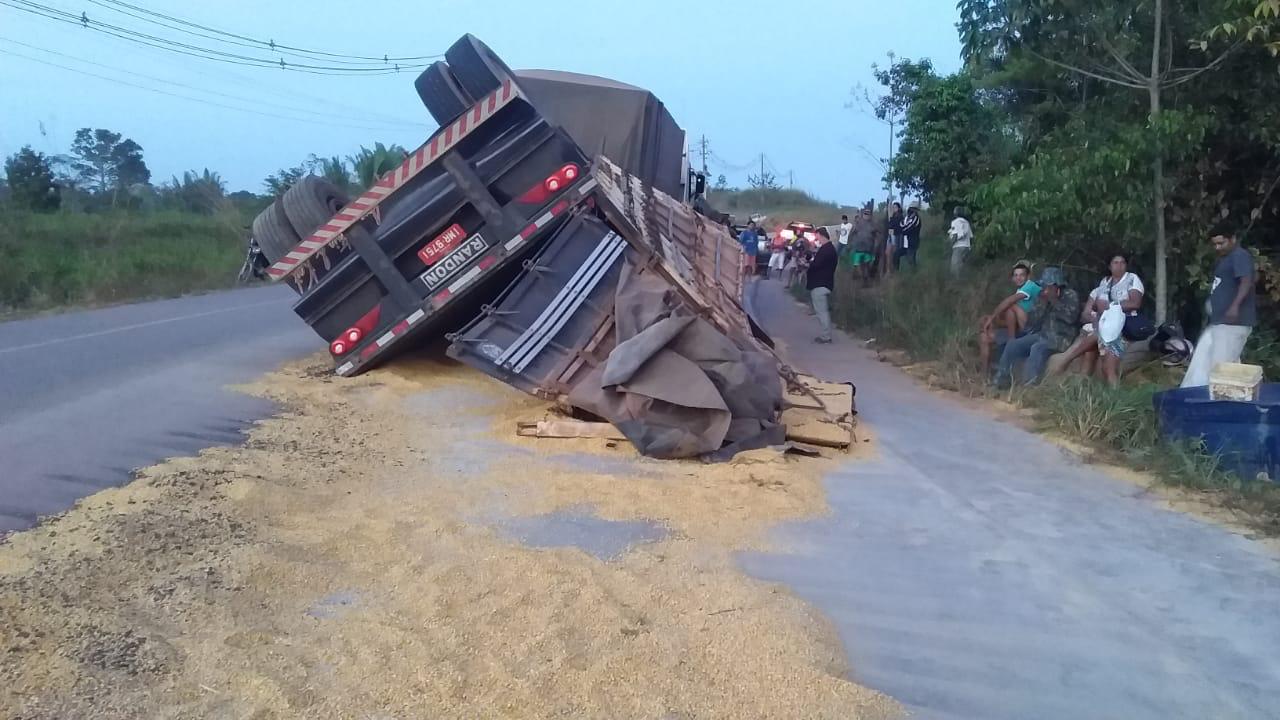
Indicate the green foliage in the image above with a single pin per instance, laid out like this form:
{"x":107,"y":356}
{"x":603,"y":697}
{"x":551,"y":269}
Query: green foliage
{"x":202,"y":193}
{"x":1256,"y":21}
{"x":31,"y":183}
{"x":1085,"y":191}
{"x":951,"y":139}
{"x":105,"y":162}
{"x":59,"y":259}
{"x":371,"y":164}
{"x":334,"y":169}
{"x":276,"y":184}
{"x":781,"y":206}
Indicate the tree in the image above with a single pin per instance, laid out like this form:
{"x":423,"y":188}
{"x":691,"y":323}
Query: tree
{"x":31,"y":182}
{"x":1104,"y":42}
{"x":722,"y":182}
{"x":283,"y":179}
{"x":1256,"y":21}
{"x":951,"y":140}
{"x":104,"y":162}
{"x":371,"y":164}
{"x":764,"y":180}
{"x":198,"y":193}
{"x":333,"y":169}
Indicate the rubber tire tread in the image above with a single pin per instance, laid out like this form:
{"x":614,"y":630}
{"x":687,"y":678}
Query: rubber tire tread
{"x":312,"y":202}
{"x":477,"y":68}
{"x":442,"y":95}
{"x":274,"y":233}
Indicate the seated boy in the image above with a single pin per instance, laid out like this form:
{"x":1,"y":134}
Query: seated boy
{"x":1009,"y":319}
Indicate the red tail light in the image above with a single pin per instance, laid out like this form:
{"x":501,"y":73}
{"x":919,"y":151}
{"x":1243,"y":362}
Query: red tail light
{"x":339,"y":347}
{"x":353,"y":335}
{"x":559,"y":180}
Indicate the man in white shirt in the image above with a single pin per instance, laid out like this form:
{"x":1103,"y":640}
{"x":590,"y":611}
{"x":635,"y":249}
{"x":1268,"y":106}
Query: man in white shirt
{"x":961,"y":234}
{"x":842,"y":237}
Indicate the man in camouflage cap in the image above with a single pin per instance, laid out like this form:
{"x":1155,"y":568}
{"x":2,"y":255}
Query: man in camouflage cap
{"x":1051,"y":328}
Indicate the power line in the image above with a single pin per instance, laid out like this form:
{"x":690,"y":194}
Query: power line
{"x":188,"y":97}
{"x":230,"y":38}
{"x":404,"y":124}
{"x":182,"y":48}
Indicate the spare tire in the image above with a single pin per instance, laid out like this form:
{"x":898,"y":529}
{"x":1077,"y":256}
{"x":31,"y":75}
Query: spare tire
{"x":312,"y":202}
{"x":274,"y":233}
{"x":478,"y":70}
{"x":444,"y":99}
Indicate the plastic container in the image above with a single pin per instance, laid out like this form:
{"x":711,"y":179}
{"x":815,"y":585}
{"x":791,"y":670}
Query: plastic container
{"x":1244,"y":434}
{"x":1235,"y":381}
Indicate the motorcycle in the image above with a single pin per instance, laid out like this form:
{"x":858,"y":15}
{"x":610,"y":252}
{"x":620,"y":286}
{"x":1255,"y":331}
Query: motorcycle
{"x":255,"y":264}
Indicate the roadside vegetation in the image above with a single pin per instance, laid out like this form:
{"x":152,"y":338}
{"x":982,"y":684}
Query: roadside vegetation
{"x":92,"y":226}
{"x":1071,"y":132}
{"x":780,"y":205}
{"x":927,"y":322}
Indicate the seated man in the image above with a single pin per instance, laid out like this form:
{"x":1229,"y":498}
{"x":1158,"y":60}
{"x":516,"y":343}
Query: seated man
{"x":1009,"y":319}
{"x":1051,"y":328}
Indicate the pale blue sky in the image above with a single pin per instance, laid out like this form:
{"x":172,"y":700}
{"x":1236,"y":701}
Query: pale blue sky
{"x":754,"y":76}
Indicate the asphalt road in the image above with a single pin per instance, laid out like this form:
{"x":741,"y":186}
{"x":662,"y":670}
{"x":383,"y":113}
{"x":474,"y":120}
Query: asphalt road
{"x":87,"y":397}
{"x":975,"y":570}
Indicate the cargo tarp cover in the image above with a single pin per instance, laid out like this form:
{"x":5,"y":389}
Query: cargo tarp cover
{"x":676,"y":386}
{"x":626,"y":123}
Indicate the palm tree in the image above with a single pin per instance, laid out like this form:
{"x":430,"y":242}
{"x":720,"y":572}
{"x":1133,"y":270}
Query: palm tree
{"x":333,"y":169}
{"x":369,"y":165}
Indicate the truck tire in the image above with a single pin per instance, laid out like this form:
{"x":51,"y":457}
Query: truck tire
{"x":310,"y":203}
{"x":273,"y":232}
{"x":477,"y":68}
{"x":444,"y":99}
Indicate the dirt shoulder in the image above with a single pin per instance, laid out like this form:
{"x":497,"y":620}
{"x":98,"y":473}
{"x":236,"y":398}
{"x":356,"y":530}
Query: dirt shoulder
{"x":352,"y":559}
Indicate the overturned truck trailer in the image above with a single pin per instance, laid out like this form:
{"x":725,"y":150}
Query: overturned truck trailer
{"x":548,"y":262}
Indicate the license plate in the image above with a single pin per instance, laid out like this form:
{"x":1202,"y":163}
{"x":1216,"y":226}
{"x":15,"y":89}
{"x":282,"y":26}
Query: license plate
{"x":444,"y":242}
{"x":454,"y":261}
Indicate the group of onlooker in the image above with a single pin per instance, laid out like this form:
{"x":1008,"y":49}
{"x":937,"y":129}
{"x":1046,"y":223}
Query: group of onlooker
{"x":1045,"y":319}
{"x":876,"y":249}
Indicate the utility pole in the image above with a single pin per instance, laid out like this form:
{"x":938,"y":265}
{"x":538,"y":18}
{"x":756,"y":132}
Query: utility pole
{"x":791,"y":179}
{"x":761,"y":179}
{"x":704,"y":149}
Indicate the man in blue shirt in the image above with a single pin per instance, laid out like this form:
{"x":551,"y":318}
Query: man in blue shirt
{"x":750,"y":239}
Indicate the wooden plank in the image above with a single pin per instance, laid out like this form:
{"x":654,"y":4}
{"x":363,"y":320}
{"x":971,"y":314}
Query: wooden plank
{"x":565,"y":429}
{"x":816,"y":427}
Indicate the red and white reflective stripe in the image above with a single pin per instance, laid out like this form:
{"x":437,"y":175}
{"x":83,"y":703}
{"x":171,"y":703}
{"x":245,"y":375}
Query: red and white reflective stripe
{"x":385,"y":339}
{"x":546,"y":217}
{"x":463,"y":280}
{"x":441,"y":142}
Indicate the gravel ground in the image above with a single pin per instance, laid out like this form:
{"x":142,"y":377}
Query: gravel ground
{"x":349,"y":560}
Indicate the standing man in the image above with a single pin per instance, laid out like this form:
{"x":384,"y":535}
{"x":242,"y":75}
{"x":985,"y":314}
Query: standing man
{"x":843,"y":237}
{"x":1233,"y":311}
{"x":1052,"y":328}
{"x":750,"y":240}
{"x":894,"y":237}
{"x":910,"y":234}
{"x":863,"y":246}
{"x":961,"y":234}
{"x":822,"y":278}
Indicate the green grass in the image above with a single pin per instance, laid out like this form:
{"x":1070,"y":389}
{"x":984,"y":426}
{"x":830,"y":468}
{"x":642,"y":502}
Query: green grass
{"x":68,"y":259}
{"x":782,"y":206}
{"x":934,"y":320}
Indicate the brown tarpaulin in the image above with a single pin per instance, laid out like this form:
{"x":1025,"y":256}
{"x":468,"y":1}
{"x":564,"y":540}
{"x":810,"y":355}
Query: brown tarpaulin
{"x":674,"y":384}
